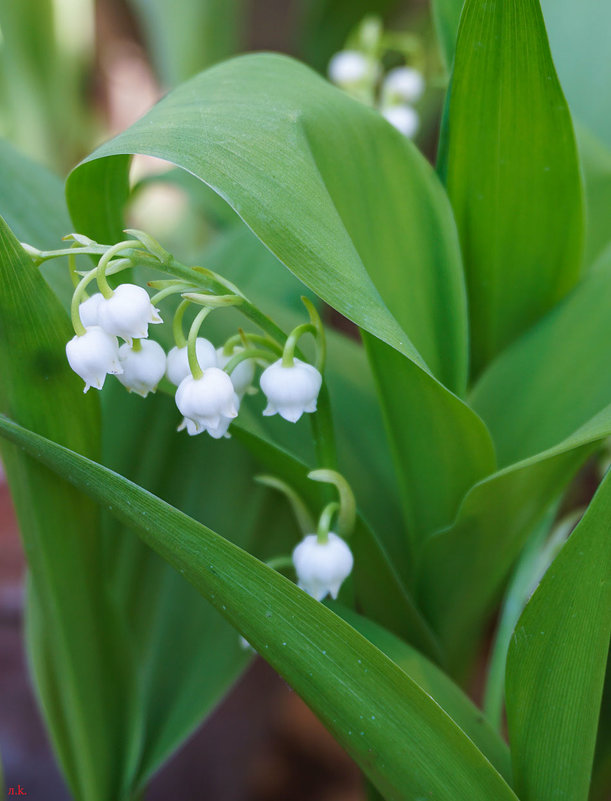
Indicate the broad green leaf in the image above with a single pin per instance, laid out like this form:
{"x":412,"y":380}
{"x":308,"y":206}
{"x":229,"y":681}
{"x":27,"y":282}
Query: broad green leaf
{"x":512,"y":173}
{"x":185,"y":36}
{"x":436,"y":683}
{"x":536,"y":556}
{"x":401,"y":738}
{"x":526,"y":397}
{"x":162,"y":613}
{"x":344,"y":201}
{"x":377,"y":221}
{"x":465,"y":566}
{"x":556,"y":664}
{"x":78,"y":660}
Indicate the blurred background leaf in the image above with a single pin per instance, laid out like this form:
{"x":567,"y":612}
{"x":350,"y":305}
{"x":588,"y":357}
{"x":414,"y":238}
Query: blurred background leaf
{"x":186,"y":36}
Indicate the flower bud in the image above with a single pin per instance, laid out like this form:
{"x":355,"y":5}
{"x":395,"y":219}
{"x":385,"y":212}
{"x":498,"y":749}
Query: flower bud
{"x":177,"y":367}
{"x":404,"y":83}
{"x":90,"y":309}
{"x":242,"y":375}
{"x":204,"y":401}
{"x":348,"y":67}
{"x":142,"y":369}
{"x":290,"y":391}
{"x":321,"y":567}
{"x":128,"y":312}
{"x":93,"y":355}
{"x":404,"y":118}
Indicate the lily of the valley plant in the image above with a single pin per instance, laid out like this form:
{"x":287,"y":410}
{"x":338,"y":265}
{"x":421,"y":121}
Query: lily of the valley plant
{"x":392,"y":512}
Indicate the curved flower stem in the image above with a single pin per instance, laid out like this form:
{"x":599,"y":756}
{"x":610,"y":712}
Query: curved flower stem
{"x":177,"y":330}
{"x":288,"y":354}
{"x":103,"y":284}
{"x":164,"y":293}
{"x":243,"y":355}
{"x":79,"y":292}
{"x":245,"y":339}
{"x":196,"y":370}
{"x":324,"y":523}
{"x":281,"y":563}
{"x":302,"y":514}
{"x":347,"y":505}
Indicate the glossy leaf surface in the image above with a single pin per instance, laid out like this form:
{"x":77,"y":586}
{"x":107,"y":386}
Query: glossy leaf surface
{"x":511,"y":168}
{"x":530,"y":398}
{"x":556,"y":664}
{"x":404,"y":742}
{"x":342,"y":200}
{"x":465,"y":566}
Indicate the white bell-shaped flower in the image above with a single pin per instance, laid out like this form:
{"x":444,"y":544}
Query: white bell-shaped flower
{"x":404,"y":83}
{"x":128,"y":312}
{"x":205,"y":401}
{"x":348,"y":67}
{"x":404,"y":118}
{"x":177,"y":367}
{"x":290,"y":391}
{"x":89,"y":310}
{"x":242,"y":375}
{"x":142,"y":369}
{"x":94,"y":355}
{"x":321,"y":567}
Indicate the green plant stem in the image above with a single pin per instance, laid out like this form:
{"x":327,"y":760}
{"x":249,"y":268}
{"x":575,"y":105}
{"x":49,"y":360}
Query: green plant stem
{"x":243,"y":355}
{"x":103,"y":284}
{"x":177,"y":330}
{"x":288,"y":354}
{"x":196,"y":370}
{"x":324,"y":522}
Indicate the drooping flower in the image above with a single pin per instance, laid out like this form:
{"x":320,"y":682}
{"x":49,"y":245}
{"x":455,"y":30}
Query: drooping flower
{"x":205,"y":401}
{"x":403,"y":83}
{"x":242,"y":375}
{"x":404,"y":118}
{"x":128,"y":312}
{"x":94,"y":355}
{"x":322,"y":567}
{"x":89,"y":310}
{"x":348,"y":67}
{"x":177,"y":367}
{"x":290,"y":391}
{"x":143,"y":369}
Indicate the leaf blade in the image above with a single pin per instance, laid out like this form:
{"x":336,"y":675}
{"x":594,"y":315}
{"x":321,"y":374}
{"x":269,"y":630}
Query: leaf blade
{"x":556,"y":664}
{"x":292,"y":637}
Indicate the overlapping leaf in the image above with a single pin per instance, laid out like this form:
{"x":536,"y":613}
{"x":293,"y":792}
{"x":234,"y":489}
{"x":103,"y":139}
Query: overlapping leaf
{"x":402,"y":739}
{"x":556,"y":664}
{"x":342,"y":200}
{"x":511,"y":168}
{"x":471,"y":559}
{"x":530,"y":398}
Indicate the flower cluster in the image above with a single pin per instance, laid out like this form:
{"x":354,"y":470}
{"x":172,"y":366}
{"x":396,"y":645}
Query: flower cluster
{"x":94,"y":352}
{"x":359,"y":72}
{"x":210,"y":382}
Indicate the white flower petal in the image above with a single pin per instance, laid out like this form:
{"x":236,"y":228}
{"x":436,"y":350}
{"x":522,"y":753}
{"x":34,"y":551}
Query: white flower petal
{"x":322,"y":567}
{"x":178,"y":362}
{"x":128,"y":313}
{"x":290,"y":391}
{"x":142,"y":369}
{"x":93,"y":355}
